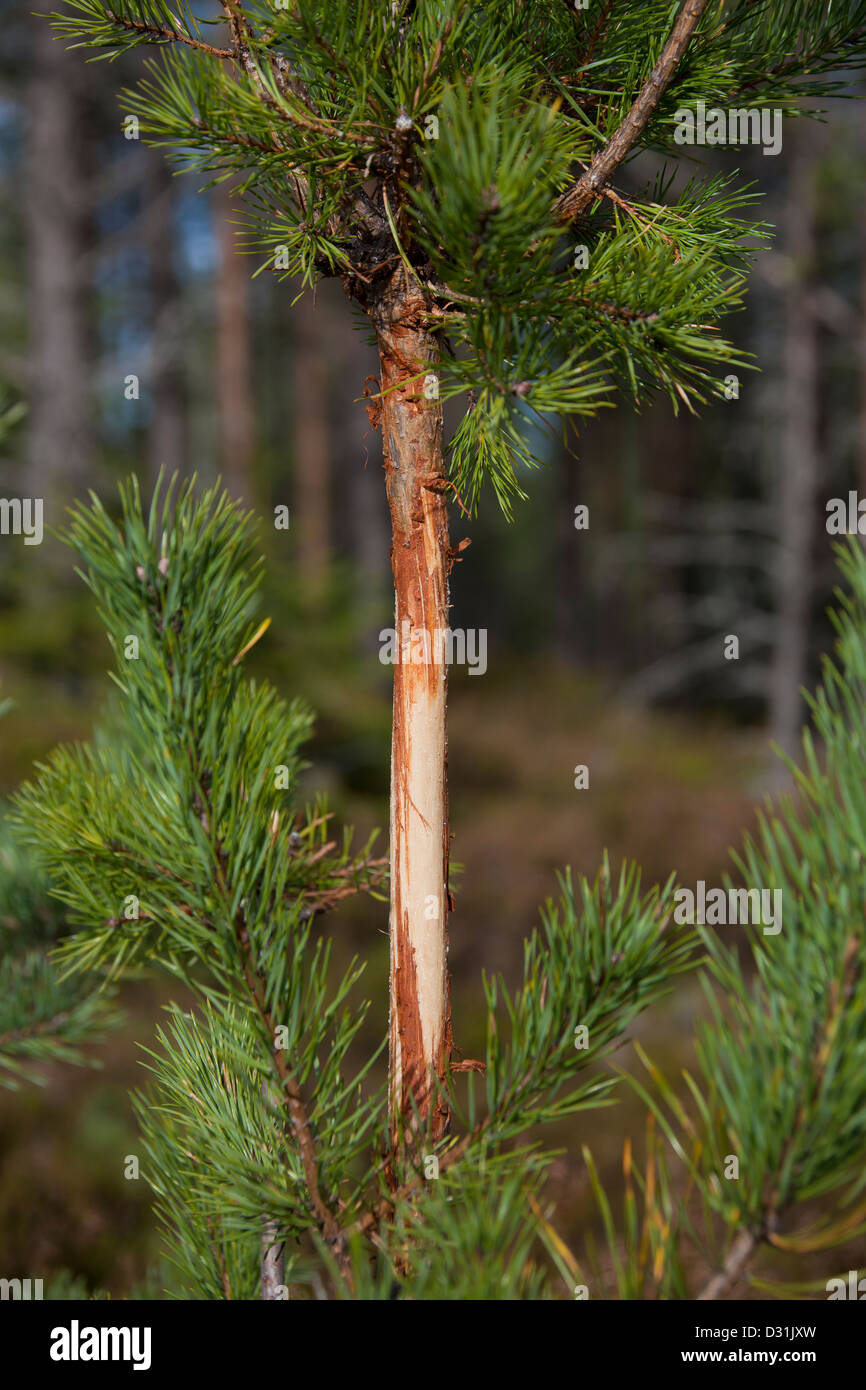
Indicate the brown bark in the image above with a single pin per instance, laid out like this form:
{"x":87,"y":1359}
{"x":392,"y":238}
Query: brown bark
{"x":420,"y":1030}
{"x":234,"y":366}
{"x":861,"y":344}
{"x":59,"y":430}
{"x":166,"y":445}
{"x":577,"y":199}
{"x":733,"y":1269}
{"x":798,"y":475}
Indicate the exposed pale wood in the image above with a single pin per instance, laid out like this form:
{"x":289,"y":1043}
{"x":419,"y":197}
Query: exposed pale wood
{"x":420,"y":1037}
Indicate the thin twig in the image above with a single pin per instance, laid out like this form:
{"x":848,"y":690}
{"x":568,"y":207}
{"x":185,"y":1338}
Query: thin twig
{"x":590,"y":184}
{"x":32,"y":1030}
{"x":157,"y":31}
{"x":739,"y":1256}
{"x":600,"y":26}
{"x":626,"y":206}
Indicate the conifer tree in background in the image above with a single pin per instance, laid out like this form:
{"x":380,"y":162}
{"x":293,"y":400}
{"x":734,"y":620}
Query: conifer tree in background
{"x":454,"y":166}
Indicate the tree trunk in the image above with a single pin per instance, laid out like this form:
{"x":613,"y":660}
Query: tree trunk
{"x":311,"y":445}
{"x":571,"y":558}
{"x":798,"y":471}
{"x":861,"y":344}
{"x":420,"y":1024}
{"x":364,"y":510}
{"x":234,"y":368}
{"x":167,"y":429}
{"x":59,"y":438}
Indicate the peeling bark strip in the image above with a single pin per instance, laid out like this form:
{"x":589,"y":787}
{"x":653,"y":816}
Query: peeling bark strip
{"x":419,"y":1030}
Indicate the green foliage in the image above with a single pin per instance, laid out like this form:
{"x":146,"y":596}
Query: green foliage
{"x":186,"y":814}
{"x":171,"y":839}
{"x":175,"y":804}
{"x":169,"y":843}
{"x":12,"y":412}
{"x":214,"y":1151}
{"x":474,"y":1237}
{"x":642,"y":1248}
{"x":605,"y":954}
{"x":781,"y":1079}
{"x":176,"y":840}
{"x":436,"y":138}
{"x":44,"y":1017}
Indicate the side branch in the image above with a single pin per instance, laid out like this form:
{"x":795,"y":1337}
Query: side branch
{"x":576,"y":199}
{"x":163,"y":35}
{"x":325,"y":1218}
{"x":286,"y":80}
{"x":739,"y":1256}
{"x":600,"y":26}
{"x":49,"y":1027}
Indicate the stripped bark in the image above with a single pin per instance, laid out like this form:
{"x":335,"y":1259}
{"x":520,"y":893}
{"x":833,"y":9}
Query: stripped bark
{"x":272,"y":1268}
{"x":420,"y":1027}
{"x":60,"y":374}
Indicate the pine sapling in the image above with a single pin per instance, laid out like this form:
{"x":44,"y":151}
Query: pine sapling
{"x":180,"y":841}
{"x":454,"y":167}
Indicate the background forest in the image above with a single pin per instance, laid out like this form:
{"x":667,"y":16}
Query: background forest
{"x":134,"y":338}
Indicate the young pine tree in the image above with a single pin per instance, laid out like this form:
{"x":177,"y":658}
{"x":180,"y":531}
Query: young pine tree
{"x":456,"y":167}
{"x":177,"y":838}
